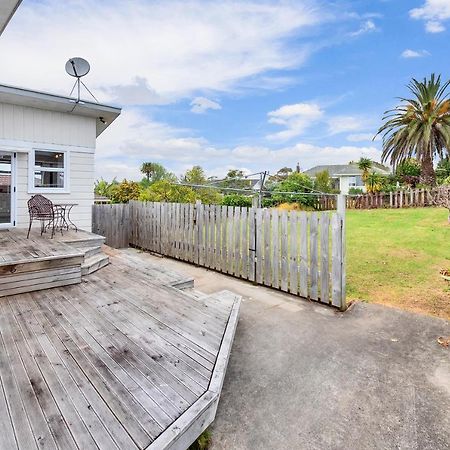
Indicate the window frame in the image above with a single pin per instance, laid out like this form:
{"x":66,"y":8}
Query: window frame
{"x":32,"y":168}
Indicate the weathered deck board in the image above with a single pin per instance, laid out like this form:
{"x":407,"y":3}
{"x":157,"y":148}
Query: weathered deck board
{"x":113,"y":362}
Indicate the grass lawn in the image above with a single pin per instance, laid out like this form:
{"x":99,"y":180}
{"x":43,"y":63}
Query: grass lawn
{"x":394,"y":257}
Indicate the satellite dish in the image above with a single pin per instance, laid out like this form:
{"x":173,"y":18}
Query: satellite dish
{"x":77,"y":67}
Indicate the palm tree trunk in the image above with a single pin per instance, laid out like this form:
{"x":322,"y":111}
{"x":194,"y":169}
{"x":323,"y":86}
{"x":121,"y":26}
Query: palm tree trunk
{"x":427,"y":174}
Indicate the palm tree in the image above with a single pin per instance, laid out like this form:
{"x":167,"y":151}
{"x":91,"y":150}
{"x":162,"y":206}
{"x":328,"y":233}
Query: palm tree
{"x":147,"y":168}
{"x":374,"y":183}
{"x":364,"y":164}
{"x":419,"y":126}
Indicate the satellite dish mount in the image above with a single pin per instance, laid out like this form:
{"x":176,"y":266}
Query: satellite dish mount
{"x":78,"y":68}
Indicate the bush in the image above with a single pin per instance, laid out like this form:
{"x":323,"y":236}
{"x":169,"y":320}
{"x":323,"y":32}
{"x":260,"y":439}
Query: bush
{"x":166,"y":191}
{"x":355,"y":191}
{"x":124,"y":192}
{"x":298,"y":183}
{"x":237,"y":200}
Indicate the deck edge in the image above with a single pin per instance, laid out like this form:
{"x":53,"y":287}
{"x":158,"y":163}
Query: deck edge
{"x":191,"y":424}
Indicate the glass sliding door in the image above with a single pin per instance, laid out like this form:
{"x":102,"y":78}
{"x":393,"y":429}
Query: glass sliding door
{"x":6,"y":188}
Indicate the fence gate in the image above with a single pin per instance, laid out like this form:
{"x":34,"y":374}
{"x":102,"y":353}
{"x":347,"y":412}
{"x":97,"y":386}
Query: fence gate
{"x":298,"y":252}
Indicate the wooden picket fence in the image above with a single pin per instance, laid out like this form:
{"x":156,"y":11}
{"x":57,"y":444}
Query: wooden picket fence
{"x":399,"y":199}
{"x":301,"y":253}
{"x":113,"y":222}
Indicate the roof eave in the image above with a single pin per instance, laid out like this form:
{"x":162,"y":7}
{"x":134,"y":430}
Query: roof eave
{"x":104,"y":114}
{"x":7,"y":10}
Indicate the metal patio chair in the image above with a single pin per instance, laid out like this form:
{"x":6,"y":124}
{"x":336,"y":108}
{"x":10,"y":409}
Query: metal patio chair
{"x":42,"y":209}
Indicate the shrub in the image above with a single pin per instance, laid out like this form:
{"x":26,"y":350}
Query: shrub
{"x":355,"y":191}
{"x":298,"y":183}
{"x":237,"y":200}
{"x":166,"y":191}
{"x":124,"y":192}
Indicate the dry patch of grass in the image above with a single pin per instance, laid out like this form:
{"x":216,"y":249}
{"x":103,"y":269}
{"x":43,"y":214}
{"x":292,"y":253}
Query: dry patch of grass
{"x":394,"y":257}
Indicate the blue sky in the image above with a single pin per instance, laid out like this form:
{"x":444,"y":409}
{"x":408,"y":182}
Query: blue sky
{"x":252,"y":85}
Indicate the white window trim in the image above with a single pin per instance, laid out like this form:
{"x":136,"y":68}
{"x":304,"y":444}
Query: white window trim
{"x":13,"y":222}
{"x":66,"y":170}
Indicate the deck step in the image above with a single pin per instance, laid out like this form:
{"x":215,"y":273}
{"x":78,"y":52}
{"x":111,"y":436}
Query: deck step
{"x":90,"y":241}
{"x":193,"y":292}
{"x":93,"y":263}
{"x":91,"y":251}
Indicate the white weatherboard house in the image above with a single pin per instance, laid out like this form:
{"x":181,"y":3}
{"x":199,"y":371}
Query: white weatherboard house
{"x":47,"y":146}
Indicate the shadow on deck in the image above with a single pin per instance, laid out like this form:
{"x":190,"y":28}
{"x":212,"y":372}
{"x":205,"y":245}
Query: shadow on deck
{"x":123,"y":359}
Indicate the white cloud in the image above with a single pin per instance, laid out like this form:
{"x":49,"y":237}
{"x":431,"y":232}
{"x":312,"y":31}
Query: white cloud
{"x":343,"y":124}
{"x":434,"y":13}
{"x":408,"y":53}
{"x":433,"y":26}
{"x":144,"y":51}
{"x":366,"y":27}
{"x":139,"y":92}
{"x":135,"y":138}
{"x":295,"y":118}
{"x":201,"y":104}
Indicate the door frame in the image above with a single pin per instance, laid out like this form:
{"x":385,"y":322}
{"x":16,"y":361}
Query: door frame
{"x":13,"y":221}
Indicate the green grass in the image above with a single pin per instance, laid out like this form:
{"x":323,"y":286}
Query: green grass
{"x":394,"y":257}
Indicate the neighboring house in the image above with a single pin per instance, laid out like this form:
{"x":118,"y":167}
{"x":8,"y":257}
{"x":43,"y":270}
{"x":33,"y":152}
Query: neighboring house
{"x":346,"y":176}
{"x":47,"y":146}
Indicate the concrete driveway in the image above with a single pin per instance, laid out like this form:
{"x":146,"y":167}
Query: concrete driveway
{"x":303,"y":376}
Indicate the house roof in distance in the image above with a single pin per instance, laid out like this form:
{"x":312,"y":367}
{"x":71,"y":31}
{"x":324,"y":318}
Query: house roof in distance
{"x":338,"y":170}
{"x":104,"y":114}
{"x":7,"y":10}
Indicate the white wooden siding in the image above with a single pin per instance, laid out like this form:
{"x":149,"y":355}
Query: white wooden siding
{"x":22,"y":123}
{"x":82,"y":167}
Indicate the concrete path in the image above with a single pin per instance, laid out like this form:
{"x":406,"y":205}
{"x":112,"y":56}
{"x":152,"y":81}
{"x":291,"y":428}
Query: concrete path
{"x":302,"y":376}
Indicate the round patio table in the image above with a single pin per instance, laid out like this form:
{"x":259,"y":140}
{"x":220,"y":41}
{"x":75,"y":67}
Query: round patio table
{"x":66,"y":221}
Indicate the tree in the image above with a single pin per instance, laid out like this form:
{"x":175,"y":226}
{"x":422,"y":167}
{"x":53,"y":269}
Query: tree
{"x":207,"y":195}
{"x":147,"y":168}
{"x":443,"y":170}
{"x":419,"y":126}
{"x":408,"y":172}
{"x":196,"y":175}
{"x":298,"y":183}
{"x":281,"y":175}
{"x":364,"y":164}
{"x":374,"y":182}
{"x":235,"y":179}
{"x":166,"y":191}
{"x":103,"y":188}
{"x":323,"y":182}
{"x":156,"y":172}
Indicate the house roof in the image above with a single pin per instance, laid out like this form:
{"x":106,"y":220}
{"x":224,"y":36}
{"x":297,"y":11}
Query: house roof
{"x":7,"y":10}
{"x":338,"y":170}
{"x":104,"y":114}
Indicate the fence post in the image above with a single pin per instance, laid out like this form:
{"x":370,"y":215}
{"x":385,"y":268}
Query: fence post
{"x":341,"y":203}
{"x":198,"y":230}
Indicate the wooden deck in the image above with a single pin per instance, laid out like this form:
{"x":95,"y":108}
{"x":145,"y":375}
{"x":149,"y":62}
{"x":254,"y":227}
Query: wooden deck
{"x":122,"y":360}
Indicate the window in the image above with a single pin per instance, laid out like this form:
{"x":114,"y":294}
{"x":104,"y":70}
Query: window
{"x":352,"y":181}
{"x":48,"y":171}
